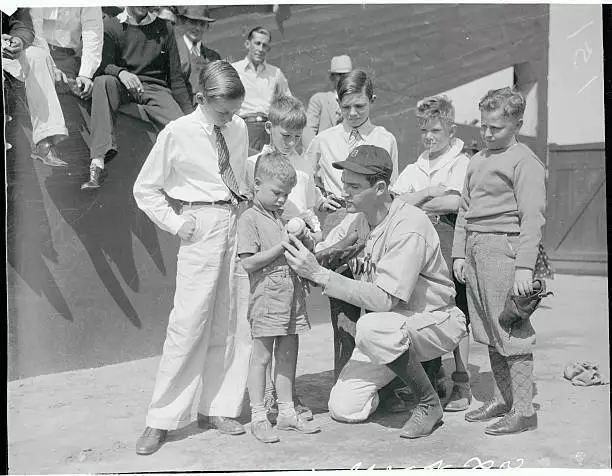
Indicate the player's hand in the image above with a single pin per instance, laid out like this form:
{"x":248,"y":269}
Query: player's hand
{"x":437,"y":191}
{"x":12,"y":46}
{"x":85,"y":85}
{"x":331,"y":204}
{"x":523,"y":282}
{"x":302,"y":261}
{"x":459,"y":269}
{"x":59,"y":75}
{"x":187,"y":231}
{"x":132,"y":84}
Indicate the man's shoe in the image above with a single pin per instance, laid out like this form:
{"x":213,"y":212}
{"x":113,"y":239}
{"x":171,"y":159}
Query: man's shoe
{"x":46,"y":153}
{"x":461,"y":394}
{"x":398,"y":401}
{"x":488,"y":411}
{"x":262,"y":430}
{"x":423,"y":421}
{"x":513,"y":423}
{"x":150,"y":441}
{"x":226,"y":425}
{"x":93,"y":183}
{"x":293,"y":423}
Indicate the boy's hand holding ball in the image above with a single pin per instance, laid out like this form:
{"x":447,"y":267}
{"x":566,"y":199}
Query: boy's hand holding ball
{"x":296,"y":227}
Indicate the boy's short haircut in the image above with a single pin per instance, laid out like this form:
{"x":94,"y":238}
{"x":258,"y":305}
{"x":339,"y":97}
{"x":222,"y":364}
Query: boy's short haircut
{"x":273,"y":165}
{"x":355,"y":82}
{"x":436,"y":107}
{"x":287,"y":112}
{"x":511,"y":102}
{"x":261,"y":30}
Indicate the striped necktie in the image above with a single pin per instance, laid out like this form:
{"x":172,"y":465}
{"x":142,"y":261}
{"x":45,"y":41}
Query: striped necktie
{"x":225,"y":169}
{"x":354,"y":138}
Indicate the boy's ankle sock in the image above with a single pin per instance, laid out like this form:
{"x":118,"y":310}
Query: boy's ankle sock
{"x":258,"y":412}
{"x":98,"y":163}
{"x":286,"y":409}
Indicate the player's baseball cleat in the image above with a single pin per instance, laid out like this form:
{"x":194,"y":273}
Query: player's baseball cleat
{"x":293,"y":423}
{"x":488,"y":411}
{"x":262,"y":430}
{"x":423,"y":421}
{"x":461,"y":394}
{"x":513,"y":423}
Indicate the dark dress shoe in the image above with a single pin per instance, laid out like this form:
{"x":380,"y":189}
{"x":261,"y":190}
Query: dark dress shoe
{"x":150,"y":441}
{"x":513,"y":423}
{"x":488,"y":411}
{"x":229,"y":426}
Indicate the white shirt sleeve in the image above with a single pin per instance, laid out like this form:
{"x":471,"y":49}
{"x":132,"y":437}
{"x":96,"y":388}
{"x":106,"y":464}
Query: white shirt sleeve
{"x":394,"y":158}
{"x":457,"y":174}
{"x":282,"y":85}
{"x":405,"y":182}
{"x":37,"y":24}
{"x":149,"y":185}
{"x":92,"y":34}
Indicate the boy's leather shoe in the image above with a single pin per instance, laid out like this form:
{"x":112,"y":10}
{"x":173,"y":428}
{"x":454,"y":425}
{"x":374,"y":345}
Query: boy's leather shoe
{"x":513,"y":423}
{"x":488,"y":411}
{"x":423,"y":421}
{"x":262,"y":430}
{"x":150,"y":441}
{"x":296,"y":424}
{"x":226,"y":425}
{"x":461,"y":394}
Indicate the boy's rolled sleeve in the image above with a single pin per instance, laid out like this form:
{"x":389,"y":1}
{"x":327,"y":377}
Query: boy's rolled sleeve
{"x":530,"y":191}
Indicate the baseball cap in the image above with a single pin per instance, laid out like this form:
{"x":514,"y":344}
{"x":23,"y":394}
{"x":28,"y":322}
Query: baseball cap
{"x":341,"y":64}
{"x":368,"y":160}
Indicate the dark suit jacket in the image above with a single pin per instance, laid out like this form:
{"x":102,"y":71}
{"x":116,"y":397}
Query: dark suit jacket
{"x":19,"y":24}
{"x":323,"y":112}
{"x":191,"y":70}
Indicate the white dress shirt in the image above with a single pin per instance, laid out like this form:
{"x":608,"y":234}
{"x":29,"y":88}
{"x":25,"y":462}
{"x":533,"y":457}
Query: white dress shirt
{"x":260,"y":85}
{"x":191,"y":46}
{"x":184,"y":164}
{"x":124,"y":17}
{"x":79,"y":28}
{"x":448,"y":170}
{"x":332,"y":145}
{"x":305,"y":197}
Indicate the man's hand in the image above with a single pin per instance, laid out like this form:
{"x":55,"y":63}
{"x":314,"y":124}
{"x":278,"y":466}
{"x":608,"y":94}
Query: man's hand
{"x":331,"y":204}
{"x":187,"y":231}
{"x":437,"y":191}
{"x":523,"y":282}
{"x":12,"y":46}
{"x":132,"y":84}
{"x":59,"y":75}
{"x":85,"y":86}
{"x":459,"y":269}
{"x":303,"y":262}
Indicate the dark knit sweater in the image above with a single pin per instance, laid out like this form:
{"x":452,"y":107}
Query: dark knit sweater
{"x":19,"y":24}
{"x":148,"y":51}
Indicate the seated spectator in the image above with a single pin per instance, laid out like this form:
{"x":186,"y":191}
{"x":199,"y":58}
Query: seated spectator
{"x":27,"y":59}
{"x":140,"y":63}
{"x":193,"y":21}
{"x":323,"y":109}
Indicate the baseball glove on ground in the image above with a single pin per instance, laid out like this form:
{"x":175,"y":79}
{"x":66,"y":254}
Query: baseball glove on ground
{"x":340,"y":253}
{"x":518,"y":308}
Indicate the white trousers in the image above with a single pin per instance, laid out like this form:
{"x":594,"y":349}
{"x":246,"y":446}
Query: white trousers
{"x":35,"y":68}
{"x":205,"y":360}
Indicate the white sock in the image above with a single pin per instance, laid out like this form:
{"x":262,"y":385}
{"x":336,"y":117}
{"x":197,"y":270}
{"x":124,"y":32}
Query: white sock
{"x":98,"y":162}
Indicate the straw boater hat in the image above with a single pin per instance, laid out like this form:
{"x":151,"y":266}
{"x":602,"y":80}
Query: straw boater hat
{"x":194,"y":12}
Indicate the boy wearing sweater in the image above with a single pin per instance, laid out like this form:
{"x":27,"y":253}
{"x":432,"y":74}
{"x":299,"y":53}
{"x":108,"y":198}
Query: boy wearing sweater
{"x":498,"y":230}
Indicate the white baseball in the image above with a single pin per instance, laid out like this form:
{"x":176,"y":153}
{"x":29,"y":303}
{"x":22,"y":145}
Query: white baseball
{"x":296,"y":226}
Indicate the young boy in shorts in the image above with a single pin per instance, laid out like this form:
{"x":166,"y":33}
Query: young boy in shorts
{"x":434,"y":184}
{"x":286,"y":121}
{"x":277,"y":307}
{"x":499,"y":228}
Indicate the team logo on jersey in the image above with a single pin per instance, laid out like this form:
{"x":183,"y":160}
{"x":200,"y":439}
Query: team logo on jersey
{"x":364,"y":266}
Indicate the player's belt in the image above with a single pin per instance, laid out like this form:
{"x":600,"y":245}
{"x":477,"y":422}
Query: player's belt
{"x":197,"y":204}
{"x":257,"y":117}
{"x":61,"y":49}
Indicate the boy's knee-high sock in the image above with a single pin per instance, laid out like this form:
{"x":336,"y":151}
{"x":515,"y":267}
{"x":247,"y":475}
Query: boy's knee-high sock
{"x":521,"y":372}
{"x":501,"y":374}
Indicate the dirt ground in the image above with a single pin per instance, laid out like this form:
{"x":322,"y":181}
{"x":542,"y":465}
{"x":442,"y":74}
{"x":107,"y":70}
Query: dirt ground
{"x":87,"y":421}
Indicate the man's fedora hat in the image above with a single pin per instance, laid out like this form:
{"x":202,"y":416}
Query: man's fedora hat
{"x":194,"y":12}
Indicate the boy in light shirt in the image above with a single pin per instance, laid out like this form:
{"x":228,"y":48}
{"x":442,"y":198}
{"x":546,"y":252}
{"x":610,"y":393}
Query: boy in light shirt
{"x":434,"y":184}
{"x":286,"y":121}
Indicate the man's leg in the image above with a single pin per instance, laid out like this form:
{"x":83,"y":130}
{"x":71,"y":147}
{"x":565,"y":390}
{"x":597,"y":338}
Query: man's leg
{"x":107,"y":96}
{"x":160,"y":105}
{"x":48,"y":126}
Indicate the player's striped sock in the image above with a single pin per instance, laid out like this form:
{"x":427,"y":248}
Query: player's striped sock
{"x":521,"y":372}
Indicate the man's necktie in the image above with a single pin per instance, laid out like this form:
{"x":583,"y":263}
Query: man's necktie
{"x":225,"y":169}
{"x":354,"y":138}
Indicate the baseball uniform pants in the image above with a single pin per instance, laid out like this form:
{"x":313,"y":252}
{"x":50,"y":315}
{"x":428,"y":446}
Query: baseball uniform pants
{"x":206,"y":354}
{"x":381,"y":338}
